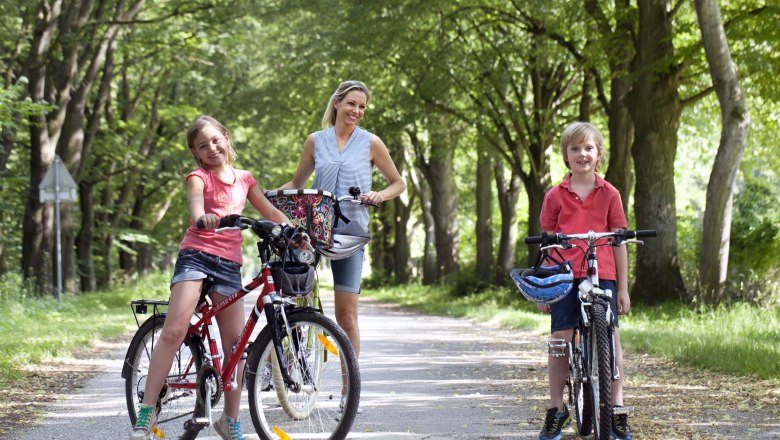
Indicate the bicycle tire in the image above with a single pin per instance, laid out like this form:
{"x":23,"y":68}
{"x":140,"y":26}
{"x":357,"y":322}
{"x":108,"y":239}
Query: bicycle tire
{"x":582,"y":392}
{"x":175,"y":406}
{"x":313,"y":411}
{"x":601,"y":377}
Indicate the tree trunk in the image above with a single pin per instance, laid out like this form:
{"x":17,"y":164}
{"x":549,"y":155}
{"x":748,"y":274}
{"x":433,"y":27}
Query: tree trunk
{"x":86,"y":264}
{"x":586,"y":100}
{"x":8,"y":138}
{"x":508,"y":193}
{"x":428,"y":267}
{"x":655,"y":108}
{"x":430,"y":270}
{"x":379,"y":249}
{"x":438,"y":170}
{"x":535,"y":191}
{"x":402,"y":268}
{"x":716,"y":229}
{"x":440,"y":174}
{"x":483,"y":227}
{"x":621,"y":133}
{"x":72,"y":146}
{"x":106,"y":280}
{"x":620,"y":52}
{"x":37,"y":229}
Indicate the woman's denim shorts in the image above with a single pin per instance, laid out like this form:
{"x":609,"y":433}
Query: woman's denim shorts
{"x":347,"y":272}
{"x":565,"y":313}
{"x":197,"y":265}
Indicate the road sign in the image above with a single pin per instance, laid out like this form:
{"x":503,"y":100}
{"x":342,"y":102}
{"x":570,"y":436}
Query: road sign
{"x":57,"y":184}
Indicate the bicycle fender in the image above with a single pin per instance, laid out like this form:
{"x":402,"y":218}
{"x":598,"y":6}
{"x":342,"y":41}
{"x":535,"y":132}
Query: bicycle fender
{"x":296,"y":310}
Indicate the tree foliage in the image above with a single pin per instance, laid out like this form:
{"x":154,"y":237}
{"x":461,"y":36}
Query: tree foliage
{"x":114,"y":89}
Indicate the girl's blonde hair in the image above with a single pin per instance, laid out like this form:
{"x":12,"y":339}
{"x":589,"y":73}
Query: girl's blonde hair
{"x":197,"y":126}
{"x":580,"y":132}
{"x":329,"y":118}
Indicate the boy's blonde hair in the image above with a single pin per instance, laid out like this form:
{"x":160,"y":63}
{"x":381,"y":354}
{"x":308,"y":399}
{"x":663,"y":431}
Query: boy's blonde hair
{"x":580,"y":132}
{"x":197,"y":126}
{"x":329,"y":118}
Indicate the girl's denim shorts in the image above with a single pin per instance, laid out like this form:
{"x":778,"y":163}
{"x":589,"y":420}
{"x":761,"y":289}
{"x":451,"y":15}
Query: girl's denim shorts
{"x":347,"y":272}
{"x":197,"y":265}
{"x":565,"y":313}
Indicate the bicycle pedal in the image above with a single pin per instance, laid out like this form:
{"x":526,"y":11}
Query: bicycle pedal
{"x":203,"y":422}
{"x":622,"y":410}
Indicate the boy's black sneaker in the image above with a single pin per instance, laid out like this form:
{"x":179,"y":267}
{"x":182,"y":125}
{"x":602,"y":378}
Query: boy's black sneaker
{"x":554,"y":423}
{"x":620,"y":428}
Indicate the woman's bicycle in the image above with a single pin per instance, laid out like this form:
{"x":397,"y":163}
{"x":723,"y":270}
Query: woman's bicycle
{"x":314,"y":364}
{"x":591,"y":350}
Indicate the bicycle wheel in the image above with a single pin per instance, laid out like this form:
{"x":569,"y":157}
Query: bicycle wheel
{"x":581,"y":392}
{"x":324,"y":369}
{"x":601,"y":373}
{"x":176,"y":406}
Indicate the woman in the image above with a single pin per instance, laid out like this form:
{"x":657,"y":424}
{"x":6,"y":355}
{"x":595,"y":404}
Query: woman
{"x":342,"y":155}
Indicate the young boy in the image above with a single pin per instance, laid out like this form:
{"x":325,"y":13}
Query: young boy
{"x":584,"y":201}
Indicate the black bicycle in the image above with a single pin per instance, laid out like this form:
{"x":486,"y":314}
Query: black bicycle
{"x":313,"y":364}
{"x":591,"y":350}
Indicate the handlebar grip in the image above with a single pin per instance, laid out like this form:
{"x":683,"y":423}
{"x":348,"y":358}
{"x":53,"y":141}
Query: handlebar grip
{"x":645,"y":233}
{"x":227,"y":221}
{"x":533,"y":239}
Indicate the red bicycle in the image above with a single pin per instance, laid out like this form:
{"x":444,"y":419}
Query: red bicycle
{"x":312,"y":363}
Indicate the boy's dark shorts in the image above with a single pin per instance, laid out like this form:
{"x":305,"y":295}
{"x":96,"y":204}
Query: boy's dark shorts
{"x":565,"y":313}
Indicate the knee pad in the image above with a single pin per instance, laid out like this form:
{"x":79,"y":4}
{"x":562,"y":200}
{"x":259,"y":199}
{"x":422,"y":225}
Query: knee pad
{"x":557,"y":347}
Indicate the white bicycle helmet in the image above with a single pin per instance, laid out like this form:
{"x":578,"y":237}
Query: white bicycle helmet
{"x":544,"y":285}
{"x":347,"y":240}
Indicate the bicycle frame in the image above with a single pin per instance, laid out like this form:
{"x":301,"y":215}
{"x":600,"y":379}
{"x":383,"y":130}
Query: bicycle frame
{"x":202,"y":330}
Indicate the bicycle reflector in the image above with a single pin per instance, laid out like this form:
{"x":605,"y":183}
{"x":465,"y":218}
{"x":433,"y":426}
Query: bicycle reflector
{"x":545,"y":284}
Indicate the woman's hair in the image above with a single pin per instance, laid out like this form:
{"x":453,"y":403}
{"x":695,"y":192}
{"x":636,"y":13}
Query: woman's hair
{"x":580,"y":132}
{"x":197,"y":126}
{"x":329,"y":118}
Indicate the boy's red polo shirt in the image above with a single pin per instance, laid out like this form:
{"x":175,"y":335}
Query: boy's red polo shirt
{"x":602,"y":211}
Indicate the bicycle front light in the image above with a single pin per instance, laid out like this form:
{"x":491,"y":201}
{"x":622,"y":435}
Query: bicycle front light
{"x":306,"y":256}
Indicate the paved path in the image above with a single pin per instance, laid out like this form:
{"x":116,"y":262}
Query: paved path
{"x":423,"y":377}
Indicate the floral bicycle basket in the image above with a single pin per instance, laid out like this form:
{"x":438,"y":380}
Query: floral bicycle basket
{"x":311,"y":209}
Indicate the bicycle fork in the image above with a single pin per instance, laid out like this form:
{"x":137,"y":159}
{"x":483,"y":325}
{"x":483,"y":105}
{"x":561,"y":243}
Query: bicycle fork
{"x":277,"y":329}
{"x":610,"y":329}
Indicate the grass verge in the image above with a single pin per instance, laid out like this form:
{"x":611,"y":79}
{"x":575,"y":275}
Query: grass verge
{"x":34,"y":329}
{"x":738,"y":339}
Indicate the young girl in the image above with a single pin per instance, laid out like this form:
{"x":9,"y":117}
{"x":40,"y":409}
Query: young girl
{"x":584,"y":201}
{"x":214,"y":190}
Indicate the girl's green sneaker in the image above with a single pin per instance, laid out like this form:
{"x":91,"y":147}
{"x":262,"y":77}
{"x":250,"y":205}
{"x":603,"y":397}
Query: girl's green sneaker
{"x":147,"y":417}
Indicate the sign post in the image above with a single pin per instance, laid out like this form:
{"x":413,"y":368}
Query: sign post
{"x":58,"y":186}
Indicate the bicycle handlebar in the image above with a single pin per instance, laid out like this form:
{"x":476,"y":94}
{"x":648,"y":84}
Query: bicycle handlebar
{"x":354,"y":197}
{"x":263,"y":228}
{"x":559,"y":238}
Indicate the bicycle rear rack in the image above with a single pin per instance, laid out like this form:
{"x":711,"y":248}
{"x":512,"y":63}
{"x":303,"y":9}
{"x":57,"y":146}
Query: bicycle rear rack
{"x":140,"y":307}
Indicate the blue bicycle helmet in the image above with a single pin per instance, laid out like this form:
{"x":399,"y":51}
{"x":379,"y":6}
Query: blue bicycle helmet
{"x":544,"y":285}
